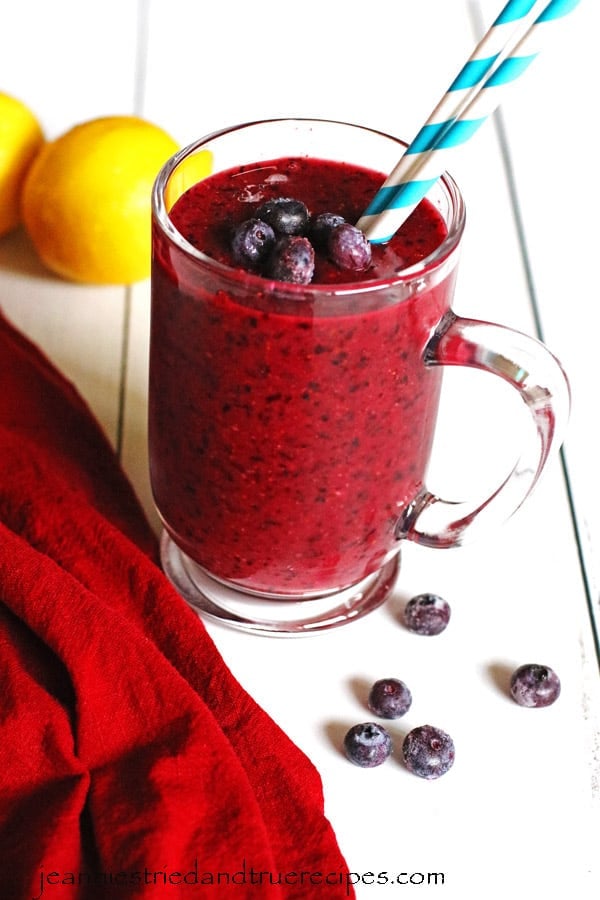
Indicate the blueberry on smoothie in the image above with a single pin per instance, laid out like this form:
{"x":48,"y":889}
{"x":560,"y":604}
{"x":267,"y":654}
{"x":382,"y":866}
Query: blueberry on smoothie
{"x":292,"y":259}
{"x":534,"y":685}
{"x":252,"y":242}
{"x":322,"y":226}
{"x":279,"y":220}
{"x":349,"y":248}
{"x":428,"y":751}
{"x":389,"y":698}
{"x":367,"y":745}
{"x":427,"y":614}
{"x":285,"y":215}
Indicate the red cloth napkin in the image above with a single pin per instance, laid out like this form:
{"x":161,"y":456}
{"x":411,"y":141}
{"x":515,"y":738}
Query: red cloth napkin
{"x":131,"y":761}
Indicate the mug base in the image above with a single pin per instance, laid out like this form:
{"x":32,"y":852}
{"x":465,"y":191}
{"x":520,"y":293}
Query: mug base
{"x":274,"y":616}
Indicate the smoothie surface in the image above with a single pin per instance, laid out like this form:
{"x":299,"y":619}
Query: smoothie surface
{"x":208,"y":212}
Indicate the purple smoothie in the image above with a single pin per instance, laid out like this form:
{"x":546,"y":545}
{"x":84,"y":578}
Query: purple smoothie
{"x":288,"y":435}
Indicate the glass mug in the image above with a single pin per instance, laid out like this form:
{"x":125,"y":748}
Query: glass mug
{"x":290,"y":426}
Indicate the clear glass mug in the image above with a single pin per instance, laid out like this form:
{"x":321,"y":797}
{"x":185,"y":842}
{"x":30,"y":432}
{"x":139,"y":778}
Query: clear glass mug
{"x":290,"y":426}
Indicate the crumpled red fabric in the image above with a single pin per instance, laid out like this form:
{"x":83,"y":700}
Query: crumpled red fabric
{"x":132,"y":763}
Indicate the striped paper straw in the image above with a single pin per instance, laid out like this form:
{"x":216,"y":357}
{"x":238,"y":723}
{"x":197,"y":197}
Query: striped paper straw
{"x":425,"y":160}
{"x":504,"y":30}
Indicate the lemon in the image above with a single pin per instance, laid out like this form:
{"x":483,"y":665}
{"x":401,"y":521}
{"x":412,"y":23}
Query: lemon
{"x":20,"y":139}
{"x":86,"y":199}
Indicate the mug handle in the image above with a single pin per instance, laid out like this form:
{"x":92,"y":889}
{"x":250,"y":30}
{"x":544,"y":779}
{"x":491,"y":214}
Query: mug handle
{"x":527,"y":365}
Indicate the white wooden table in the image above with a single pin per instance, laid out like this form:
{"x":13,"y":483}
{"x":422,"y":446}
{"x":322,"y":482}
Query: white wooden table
{"x":518,"y":815}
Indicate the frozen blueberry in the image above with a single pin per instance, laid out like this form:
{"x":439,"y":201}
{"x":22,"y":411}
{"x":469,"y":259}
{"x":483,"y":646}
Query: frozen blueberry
{"x":427,"y":614}
{"x":292,"y":259}
{"x":428,"y":751}
{"x":367,"y":745}
{"x":389,"y":698}
{"x":252,"y":242}
{"x":285,"y":215}
{"x":349,"y":248}
{"x":534,"y":685}
{"x":321,"y":227}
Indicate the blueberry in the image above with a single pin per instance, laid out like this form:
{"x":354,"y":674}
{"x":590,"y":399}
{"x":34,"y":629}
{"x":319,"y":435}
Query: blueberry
{"x":428,"y":751}
{"x":427,"y":614}
{"x":252,"y":242}
{"x":534,"y":685}
{"x":285,"y":215}
{"x":292,"y":259}
{"x":321,"y":227}
{"x":367,"y":745}
{"x":389,"y":698}
{"x":348,"y":248}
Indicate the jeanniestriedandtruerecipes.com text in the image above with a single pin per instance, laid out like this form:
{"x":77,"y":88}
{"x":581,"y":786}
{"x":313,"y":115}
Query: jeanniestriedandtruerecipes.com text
{"x":246,"y":875}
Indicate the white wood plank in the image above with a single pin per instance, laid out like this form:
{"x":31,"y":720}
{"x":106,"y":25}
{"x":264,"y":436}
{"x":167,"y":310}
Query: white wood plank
{"x":331,"y":60}
{"x":550,"y":129}
{"x":70,"y":61}
{"x":79,"y":327}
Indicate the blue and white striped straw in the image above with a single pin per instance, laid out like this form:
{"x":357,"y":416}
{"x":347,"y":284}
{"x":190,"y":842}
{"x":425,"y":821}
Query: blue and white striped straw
{"x":471,"y":98}
{"x":484,"y":57}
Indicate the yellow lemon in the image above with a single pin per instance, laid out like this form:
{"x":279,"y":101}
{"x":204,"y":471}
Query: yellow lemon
{"x":86,"y":199}
{"x":20,"y":139}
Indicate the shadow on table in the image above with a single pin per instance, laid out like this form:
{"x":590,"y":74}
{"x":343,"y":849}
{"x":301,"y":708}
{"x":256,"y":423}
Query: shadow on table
{"x":17,"y":255}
